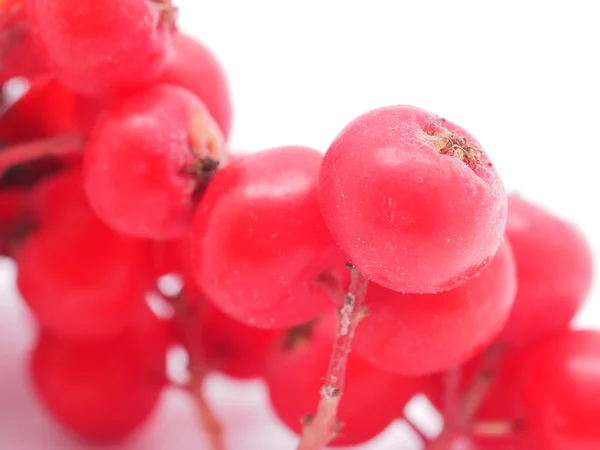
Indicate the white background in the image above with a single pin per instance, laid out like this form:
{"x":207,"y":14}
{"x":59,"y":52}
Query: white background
{"x":521,"y":76}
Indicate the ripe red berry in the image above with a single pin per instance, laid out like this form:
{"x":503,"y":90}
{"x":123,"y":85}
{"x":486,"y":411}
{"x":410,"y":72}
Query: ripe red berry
{"x":232,"y":347}
{"x":554,"y":269}
{"x":48,"y":109}
{"x":425,"y":333}
{"x":147,"y":160}
{"x":18,"y":55}
{"x":102,"y":391}
{"x":192,"y":66}
{"x":107,"y":47}
{"x":412,"y":199}
{"x":80,"y":279}
{"x":259,"y":242}
{"x":561,"y":389}
{"x":372,"y":398}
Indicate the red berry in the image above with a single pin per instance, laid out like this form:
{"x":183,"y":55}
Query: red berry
{"x":103,"y":391}
{"x":561,"y":389}
{"x":554,"y":269}
{"x":412,"y":199}
{"x":232,"y":347}
{"x":372,"y":398}
{"x":18,"y":55}
{"x":192,"y":66}
{"x":147,"y":160}
{"x":425,"y":333}
{"x":259,"y":242}
{"x":46,"y":110}
{"x":80,"y":279}
{"x":107,"y":47}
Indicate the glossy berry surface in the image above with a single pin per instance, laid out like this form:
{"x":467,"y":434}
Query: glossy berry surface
{"x":554,"y":267}
{"x":148,"y":159}
{"x":103,"y":48}
{"x":80,"y":278}
{"x":192,"y":66}
{"x":412,"y":199}
{"x":561,"y":389}
{"x":102,"y":391}
{"x":372,"y":398}
{"x":259,"y":242}
{"x":425,"y":333}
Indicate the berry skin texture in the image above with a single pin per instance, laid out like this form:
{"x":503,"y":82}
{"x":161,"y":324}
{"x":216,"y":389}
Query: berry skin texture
{"x":104,"y":47}
{"x":192,"y":66}
{"x":372,"y":398}
{"x":102,"y":391}
{"x":554,"y":268}
{"x":147,"y":160}
{"x":412,"y":199}
{"x":259,"y":243}
{"x":561,"y":389}
{"x":80,"y":279}
{"x":417,"y":334}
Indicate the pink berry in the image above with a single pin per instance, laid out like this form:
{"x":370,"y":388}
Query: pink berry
{"x":192,"y":66}
{"x":372,"y":398}
{"x":554,"y":269}
{"x":416,"y":334}
{"x":412,"y":199}
{"x":103,"y":47}
{"x":259,"y":242}
{"x":148,"y":159}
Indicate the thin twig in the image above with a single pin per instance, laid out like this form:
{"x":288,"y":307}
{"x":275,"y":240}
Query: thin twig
{"x":422,"y":436}
{"x":320,"y":429}
{"x":186,"y":320}
{"x":452,"y":400}
{"x":499,"y":428}
{"x":472,"y":398}
{"x":210,"y":424}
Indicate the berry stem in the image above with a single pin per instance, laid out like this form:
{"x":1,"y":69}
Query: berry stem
{"x":473,"y":397}
{"x":494,"y":429}
{"x":424,"y":438}
{"x":442,"y":442}
{"x":184,"y":319}
{"x":321,"y":428}
{"x":22,"y":153}
{"x":210,"y":424}
{"x":452,"y":400}
{"x":460,"y":410}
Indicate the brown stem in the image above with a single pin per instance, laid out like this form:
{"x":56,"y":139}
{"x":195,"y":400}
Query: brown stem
{"x":210,"y":424}
{"x":186,"y":320}
{"x":321,"y":428}
{"x":425,"y":439}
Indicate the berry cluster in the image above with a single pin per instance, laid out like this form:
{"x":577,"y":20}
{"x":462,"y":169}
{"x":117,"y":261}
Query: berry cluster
{"x":394,"y":264}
